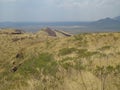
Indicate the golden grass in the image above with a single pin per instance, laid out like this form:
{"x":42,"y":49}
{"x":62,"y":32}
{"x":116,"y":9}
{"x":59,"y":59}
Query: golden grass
{"x":76,"y":70}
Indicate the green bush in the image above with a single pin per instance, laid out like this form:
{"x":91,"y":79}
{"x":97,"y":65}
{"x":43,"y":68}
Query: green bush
{"x":79,"y":65}
{"x":117,"y":69}
{"x":45,"y":61}
{"x":105,"y":48}
{"x":84,"y":53}
{"x":67,"y":59}
{"x":65,"y":51}
{"x":78,"y":37}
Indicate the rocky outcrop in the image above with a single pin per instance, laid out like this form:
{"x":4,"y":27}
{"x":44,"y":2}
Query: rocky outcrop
{"x":50,"y":32}
{"x":17,"y":31}
{"x":11,"y":31}
{"x":66,"y":34}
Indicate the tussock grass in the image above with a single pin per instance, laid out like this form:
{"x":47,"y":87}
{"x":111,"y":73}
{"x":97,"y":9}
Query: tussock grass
{"x":89,"y":61}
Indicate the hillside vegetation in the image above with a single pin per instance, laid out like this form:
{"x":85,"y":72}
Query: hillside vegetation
{"x":55,"y":60}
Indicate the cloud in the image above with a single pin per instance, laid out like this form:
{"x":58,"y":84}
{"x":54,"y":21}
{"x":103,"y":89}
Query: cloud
{"x":5,"y":1}
{"x":74,"y":3}
{"x":85,"y":3}
{"x":55,"y":10}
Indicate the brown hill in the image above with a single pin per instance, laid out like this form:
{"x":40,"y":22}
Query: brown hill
{"x":88,"y":61}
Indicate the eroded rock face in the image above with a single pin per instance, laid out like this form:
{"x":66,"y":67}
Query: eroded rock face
{"x":11,"y":31}
{"x":17,"y":31}
{"x":66,"y":34}
{"x":50,"y":32}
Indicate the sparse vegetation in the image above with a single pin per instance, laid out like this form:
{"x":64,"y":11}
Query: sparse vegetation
{"x":105,"y":48}
{"x":44,"y":61}
{"x":40,"y":62}
{"x":65,"y":51}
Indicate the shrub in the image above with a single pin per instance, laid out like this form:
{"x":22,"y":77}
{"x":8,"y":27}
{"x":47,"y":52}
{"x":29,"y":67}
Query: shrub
{"x":45,"y":61}
{"x":105,"y":48}
{"x":79,"y":65}
{"x":84,"y":53}
{"x":66,"y":51}
{"x":78,"y":37}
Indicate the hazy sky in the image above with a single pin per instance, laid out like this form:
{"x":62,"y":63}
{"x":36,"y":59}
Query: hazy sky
{"x":57,"y":10}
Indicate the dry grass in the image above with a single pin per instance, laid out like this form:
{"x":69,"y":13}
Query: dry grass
{"x":80,"y":62}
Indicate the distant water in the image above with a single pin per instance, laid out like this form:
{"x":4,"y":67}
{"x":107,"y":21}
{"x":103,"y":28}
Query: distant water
{"x":71,"y":27}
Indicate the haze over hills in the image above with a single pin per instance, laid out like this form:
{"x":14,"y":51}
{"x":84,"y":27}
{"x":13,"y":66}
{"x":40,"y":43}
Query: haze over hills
{"x":106,"y":23}
{"x":117,"y":18}
{"x":102,"y":25}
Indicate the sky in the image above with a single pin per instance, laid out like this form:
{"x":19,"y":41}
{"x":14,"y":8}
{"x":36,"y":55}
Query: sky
{"x":57,"y":10}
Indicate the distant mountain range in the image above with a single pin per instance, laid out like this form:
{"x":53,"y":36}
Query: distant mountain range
{"x":106,"y":24}
{"x":117,"y":18}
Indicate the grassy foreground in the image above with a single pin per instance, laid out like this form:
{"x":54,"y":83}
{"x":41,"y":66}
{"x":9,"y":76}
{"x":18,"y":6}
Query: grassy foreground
{"x":89,"y":61}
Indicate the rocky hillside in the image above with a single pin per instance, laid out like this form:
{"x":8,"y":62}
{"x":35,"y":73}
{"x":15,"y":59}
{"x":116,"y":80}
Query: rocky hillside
{"x":56,"y":60}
